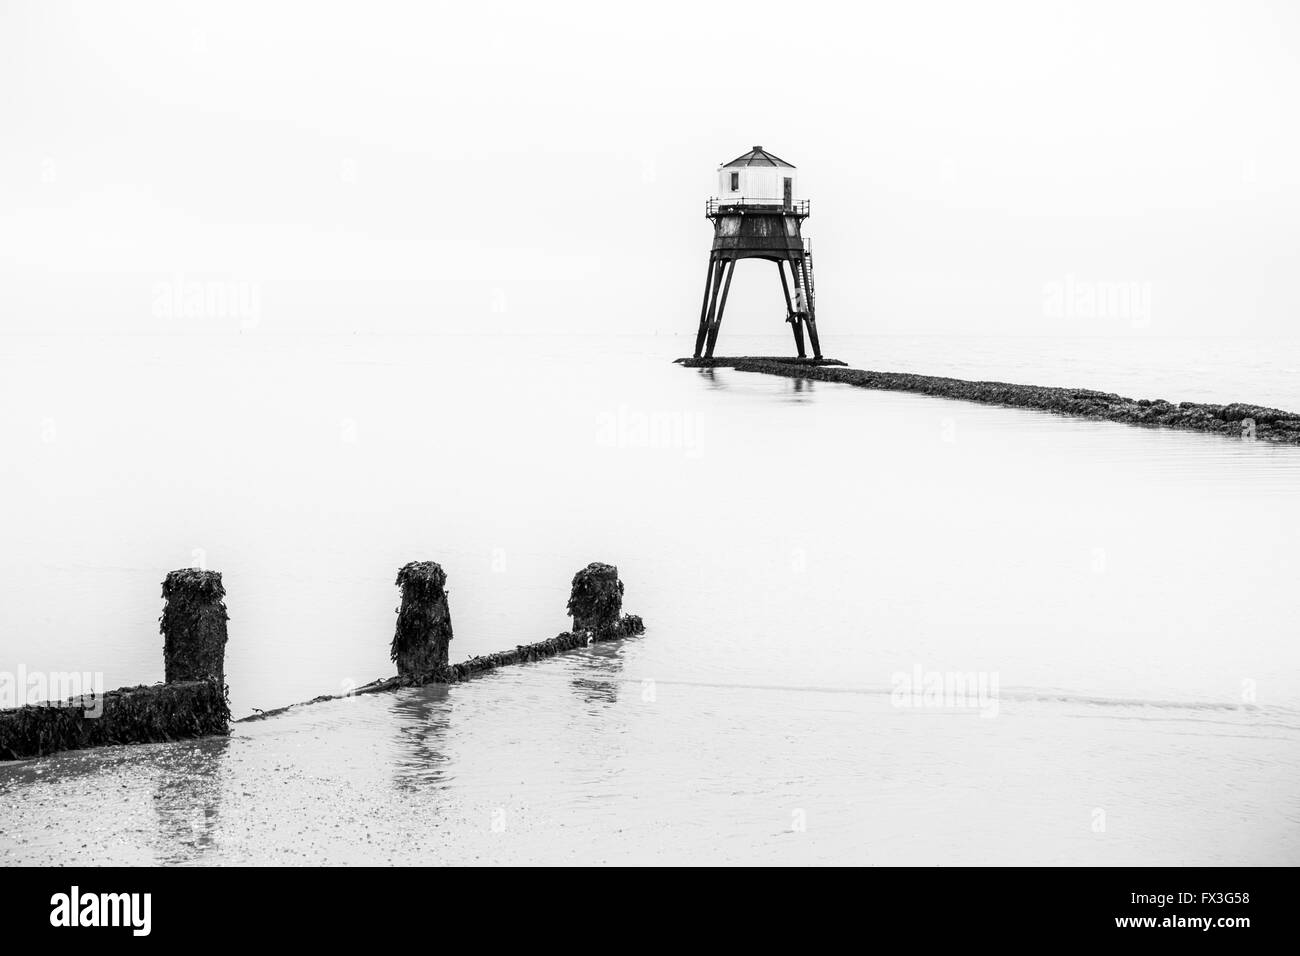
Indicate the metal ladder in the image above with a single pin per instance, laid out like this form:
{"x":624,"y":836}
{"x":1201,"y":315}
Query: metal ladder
{"x":812,"y":289}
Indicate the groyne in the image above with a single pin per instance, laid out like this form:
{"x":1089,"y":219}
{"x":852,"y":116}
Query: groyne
{"x":193,"y":701}
{"x":128,"y":715}
{"x":424,"y":625}
{"x":1238,"y":420}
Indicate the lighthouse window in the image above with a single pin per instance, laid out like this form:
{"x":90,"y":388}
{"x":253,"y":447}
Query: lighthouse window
{"x":735,"y":182}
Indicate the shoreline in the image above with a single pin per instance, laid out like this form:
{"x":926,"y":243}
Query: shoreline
{"x":1238,"y":419}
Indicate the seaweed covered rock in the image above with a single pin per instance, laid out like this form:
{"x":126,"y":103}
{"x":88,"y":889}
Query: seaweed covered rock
{"x":420,"y":643}
{"x":129,"y":715}
{"x":193,"y":626}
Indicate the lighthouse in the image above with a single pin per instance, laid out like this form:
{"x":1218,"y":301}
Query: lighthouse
{"x":757,"y":214}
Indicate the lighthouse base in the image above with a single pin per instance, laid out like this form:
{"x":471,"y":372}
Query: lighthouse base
{"x":785,"y":248}
{"x":722,"y":361}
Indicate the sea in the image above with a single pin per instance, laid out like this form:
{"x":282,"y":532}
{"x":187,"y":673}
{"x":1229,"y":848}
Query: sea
{"x":881,"y":628}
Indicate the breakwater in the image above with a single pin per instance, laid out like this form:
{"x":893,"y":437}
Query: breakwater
{"x":128,"y":715}
{"x":194,"y":700}
{"x":424,"y":630}
{"x":191,"y":703}
{"x":1238,"y":420}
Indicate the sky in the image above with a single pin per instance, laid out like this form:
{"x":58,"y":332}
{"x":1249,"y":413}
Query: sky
{"x":997,"y":168}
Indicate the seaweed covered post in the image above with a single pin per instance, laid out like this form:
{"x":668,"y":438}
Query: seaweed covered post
{"x":193,"y":625}
{"x":423,"y":632}
{"x":596,"y":598}
{"x":596,"y":602}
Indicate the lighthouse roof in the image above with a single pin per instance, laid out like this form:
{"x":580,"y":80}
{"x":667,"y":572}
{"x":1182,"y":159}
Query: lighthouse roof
{"x":758,"y":156}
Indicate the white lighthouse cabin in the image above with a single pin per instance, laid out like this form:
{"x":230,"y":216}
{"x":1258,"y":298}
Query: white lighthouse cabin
{"x":759,"y":179}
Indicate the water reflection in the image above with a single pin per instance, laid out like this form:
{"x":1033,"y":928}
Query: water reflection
{"x":187,"y":795}
{"x":420,"y":718}
{"x":598,"y":674}
{"x":710,"y":377}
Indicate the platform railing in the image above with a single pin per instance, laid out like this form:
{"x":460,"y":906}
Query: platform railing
{"x":799,"y":207}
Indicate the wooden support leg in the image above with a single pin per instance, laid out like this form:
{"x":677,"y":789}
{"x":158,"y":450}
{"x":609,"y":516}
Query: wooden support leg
{"x":717,"y":267}
{"x":704,"y":308}
{"x":812,"y":316}
{"x":796,"y":325}
{"x":722,"y":305}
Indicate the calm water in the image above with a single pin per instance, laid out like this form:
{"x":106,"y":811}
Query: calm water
{"x":792,"y":547}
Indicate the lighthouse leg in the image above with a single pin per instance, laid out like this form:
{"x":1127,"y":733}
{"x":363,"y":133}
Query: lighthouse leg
{"x":801,"y":299}
{"x":795,"y":325}
{"x":722,"y":305}
{"x":704,"y":308}
{"x":785,"y":287}
{"x":720,"y":266}
{"x":812,"y":317}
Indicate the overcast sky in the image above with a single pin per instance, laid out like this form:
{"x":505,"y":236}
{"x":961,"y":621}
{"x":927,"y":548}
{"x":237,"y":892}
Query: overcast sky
{"x":543,"y":166}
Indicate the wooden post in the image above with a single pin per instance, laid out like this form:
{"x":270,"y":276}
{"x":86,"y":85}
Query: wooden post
{"x":193,"y":625}
{"x":420,"y":643}
{"x":596,"y":599}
